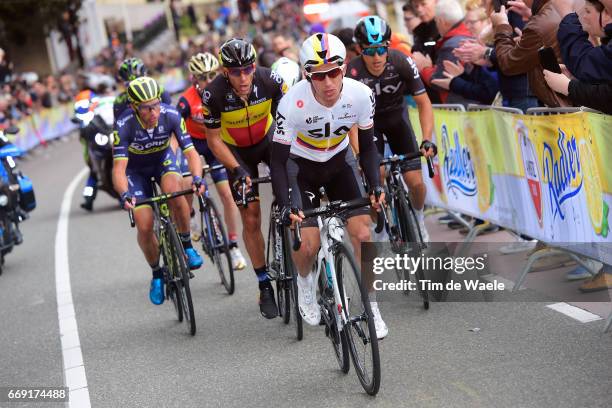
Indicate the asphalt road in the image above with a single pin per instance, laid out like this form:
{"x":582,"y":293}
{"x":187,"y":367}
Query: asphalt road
{"x":137,"y":355}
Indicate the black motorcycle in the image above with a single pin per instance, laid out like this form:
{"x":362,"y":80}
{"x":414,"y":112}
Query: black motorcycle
{"x":97,"y":134}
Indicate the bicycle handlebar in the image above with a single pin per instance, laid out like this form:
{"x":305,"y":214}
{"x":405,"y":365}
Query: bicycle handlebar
{"x":162,"y":197}
{"x":334,"y":208}
{"x":243,"y":187}
{"x":410,"y":156}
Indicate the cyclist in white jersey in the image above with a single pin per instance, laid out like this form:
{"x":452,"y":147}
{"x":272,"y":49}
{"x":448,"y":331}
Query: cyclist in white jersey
{"x":310,"y":150}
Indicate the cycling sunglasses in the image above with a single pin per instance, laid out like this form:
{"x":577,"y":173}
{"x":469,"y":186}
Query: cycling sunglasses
{"x":320,"y":76}
{"x":149,"y":108}
{"x":209,"y":76}
{"x":239,"y":71}
{"x":371,"y":51}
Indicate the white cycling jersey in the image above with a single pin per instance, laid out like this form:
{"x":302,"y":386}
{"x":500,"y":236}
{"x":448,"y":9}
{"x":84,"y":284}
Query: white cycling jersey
{"x":316,"y":132}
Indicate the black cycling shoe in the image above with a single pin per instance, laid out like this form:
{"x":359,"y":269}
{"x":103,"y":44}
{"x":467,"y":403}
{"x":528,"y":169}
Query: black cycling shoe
{"x":267,"y":304}
{"x":87,"y":204}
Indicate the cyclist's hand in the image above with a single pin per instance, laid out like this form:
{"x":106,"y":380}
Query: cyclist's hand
{"x":290,"y":216}
{"x":128,"y":202}
{"x":429,"y":148}
{"x":238,"y":176}
{"x":377,"y":198}
{"x":198,"y":186}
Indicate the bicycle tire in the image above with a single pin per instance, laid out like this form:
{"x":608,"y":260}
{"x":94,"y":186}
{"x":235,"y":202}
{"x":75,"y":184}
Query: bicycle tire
{"x":354,"y":329}
{"x":336,"y":337}
{"x":220,"y":248}
{"x":410,"y":228}
{"x":283,"y":286}
{"x":290,"y":272}
{"x":171,"y":288}
{"x":182,"y":282}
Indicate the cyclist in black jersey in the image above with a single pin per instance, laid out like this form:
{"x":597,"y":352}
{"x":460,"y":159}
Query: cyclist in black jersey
{"x":239,"y":109}
{"x":390,"y":74}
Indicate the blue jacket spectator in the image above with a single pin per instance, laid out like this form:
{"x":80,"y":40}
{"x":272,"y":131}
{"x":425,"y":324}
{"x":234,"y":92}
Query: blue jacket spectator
{"x":479,"y":84}
{"x":585,"y":61}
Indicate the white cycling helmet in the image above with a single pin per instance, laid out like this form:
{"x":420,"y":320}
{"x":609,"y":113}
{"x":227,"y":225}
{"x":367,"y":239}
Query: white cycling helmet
{"x":203,"y":63}
{"x":288,"y":70}
{"x":322,"y":48}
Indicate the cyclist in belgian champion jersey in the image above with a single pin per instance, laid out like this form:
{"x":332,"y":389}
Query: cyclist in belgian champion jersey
{"x":141,"y":151}
{"x":239,"y":108}
{"x":311,"y":150}
{"x":203,"y":68}
{"x":390,"y":74}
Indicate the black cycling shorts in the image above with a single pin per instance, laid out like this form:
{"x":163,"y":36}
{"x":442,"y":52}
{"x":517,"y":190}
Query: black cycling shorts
{"x":395,"y":126}
{"x":339,"y":176}
{"x":249,"y":158}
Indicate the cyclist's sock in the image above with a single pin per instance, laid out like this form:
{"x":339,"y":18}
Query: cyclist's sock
{"x":157,"y":271}
{"x":186,"y":239}
{"x":262,"y":277}
{"x":233,"y":240}
{"x":192,"y":214}
{"x":233,"y":244}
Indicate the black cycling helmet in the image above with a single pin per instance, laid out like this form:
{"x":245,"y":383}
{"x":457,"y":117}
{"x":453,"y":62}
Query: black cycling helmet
{"x":236,"y":53}
{"x":132,"y":68}
{"x":372,"y":30}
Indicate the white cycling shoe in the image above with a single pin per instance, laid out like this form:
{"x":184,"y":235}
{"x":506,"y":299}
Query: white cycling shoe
{"x":238,"y":261}
{"x":307,"y":300}
{"x":381,"y":328}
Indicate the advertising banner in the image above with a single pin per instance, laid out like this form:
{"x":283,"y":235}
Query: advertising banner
{"x":549,"y":177}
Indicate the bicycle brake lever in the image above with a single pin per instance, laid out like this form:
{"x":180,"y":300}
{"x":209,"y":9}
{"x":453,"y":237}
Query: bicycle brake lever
{"x":297,"y":237}
{"x":132,"y":221}
{"x":430,"y":167}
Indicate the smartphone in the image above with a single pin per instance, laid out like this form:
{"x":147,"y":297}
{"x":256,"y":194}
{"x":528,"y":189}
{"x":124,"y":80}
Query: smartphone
{"x":548,"y":60}
{"x":498,"y":3}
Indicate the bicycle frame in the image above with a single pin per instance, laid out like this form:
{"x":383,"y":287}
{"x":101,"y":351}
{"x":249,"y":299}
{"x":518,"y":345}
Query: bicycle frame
{"x":331,"y":232}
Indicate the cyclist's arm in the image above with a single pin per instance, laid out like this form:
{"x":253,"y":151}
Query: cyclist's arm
{"x":183,"y":107}
{"x":353,"y":140}
{"x":220,"y":149}
{"x":281,"y":147}
{"x":120,"y":155}
{"x":369,"y":159}
{"x":120,"y":181}
{"x":184,"y":140}
{"x":426,"y":117}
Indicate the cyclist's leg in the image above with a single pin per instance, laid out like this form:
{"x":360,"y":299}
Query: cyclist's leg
{"x":304,"y":196}
{"x":170,"y":180}
{"x":139,"y":186}
{"x":230,"y":210}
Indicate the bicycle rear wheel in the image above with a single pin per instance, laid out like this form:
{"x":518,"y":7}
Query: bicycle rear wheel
{"x":359,"y":329}
{"x":182,"y":278}
{"x":220,"y":247}
{"x":291,"y":275}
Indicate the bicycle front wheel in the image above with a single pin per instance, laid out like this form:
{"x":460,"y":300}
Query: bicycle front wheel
{"x":182,"y":278}
{"x":220,"y":246}
{"x":172,"y":292}
{"x":359,"y":328}
{"x":291,"y":274}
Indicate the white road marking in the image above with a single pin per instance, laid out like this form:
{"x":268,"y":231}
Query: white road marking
{"x":74,"y":368}
{"x":574,"y":312}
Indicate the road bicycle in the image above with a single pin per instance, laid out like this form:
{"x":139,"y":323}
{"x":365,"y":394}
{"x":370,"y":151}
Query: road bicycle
{"x":177,"y":273}
{"x":343,"y":298}
{"x":403,"y":228}
{"x":280,"y":265}
{"x":214,"y":240}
